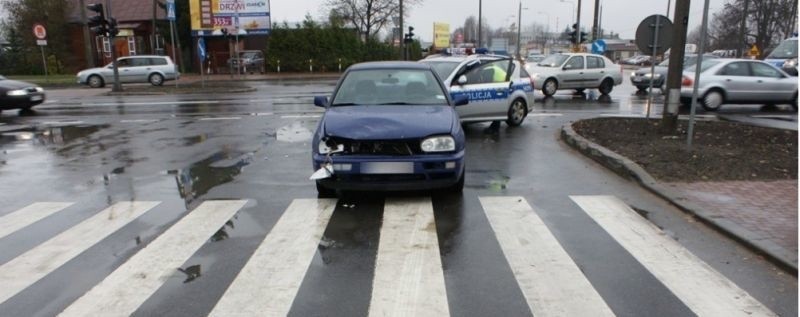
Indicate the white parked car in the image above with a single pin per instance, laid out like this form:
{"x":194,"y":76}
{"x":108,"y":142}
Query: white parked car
{"x":151,"y":69}
{"x":498,"y":87}
{"x":577,"y":71}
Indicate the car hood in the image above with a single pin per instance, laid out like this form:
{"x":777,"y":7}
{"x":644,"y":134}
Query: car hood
{"x":15,"y":84}
{"x":388,"y":122}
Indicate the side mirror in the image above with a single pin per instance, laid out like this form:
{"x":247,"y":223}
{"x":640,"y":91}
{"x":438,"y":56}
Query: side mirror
{"x":321,"y":101}
{"x":461,"y":100}
{"x":567,"y":67}
{"x":462,"y":80}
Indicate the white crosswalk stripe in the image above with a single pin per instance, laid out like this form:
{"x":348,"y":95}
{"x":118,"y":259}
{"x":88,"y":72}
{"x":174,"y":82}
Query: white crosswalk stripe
{"x":268,"y":283}
{"x":26,"y":269}
{"x":705,"y":291}
{"x":131,"y":284}
{"x":22,"y":218}
{"x":551,"y":282}
{"x":408,"y":273}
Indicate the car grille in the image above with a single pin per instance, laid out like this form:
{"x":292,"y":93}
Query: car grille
{"x":381,"y":147}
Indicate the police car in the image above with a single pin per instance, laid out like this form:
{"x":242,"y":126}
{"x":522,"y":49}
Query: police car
{"x":497,"y":87}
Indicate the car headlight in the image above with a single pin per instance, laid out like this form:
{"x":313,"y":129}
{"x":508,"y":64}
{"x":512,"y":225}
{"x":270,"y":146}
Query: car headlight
{"x":18,"y":92}
{"x":438,"y":144}
{"x":323,"y":148}
{"x":39,"y":89}
{"x":633,"y":74}
{"x":790,"y":63}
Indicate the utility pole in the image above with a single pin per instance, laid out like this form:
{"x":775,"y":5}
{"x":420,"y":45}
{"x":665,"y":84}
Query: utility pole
{"x":87,"y":40}
{"x":153,"y":39}
{"x":117,"y":86}
{"x":578,"y":24}
{"x":480,"y":17}
{"x":669,"y":121}
{"x":402,"y":38}
{"x":742,"y":30}
{"x":595,"y":27}
{"x":519,"y":29}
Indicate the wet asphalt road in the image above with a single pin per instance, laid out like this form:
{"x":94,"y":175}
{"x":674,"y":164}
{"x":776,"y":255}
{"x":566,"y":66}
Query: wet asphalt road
{"x":182,"y":151}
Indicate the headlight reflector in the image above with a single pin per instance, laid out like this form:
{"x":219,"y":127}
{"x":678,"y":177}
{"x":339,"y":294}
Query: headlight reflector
{"x":18,"y":92}
{"x":438,"y":144}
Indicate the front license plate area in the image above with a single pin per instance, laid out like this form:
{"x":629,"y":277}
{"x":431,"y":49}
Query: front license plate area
{"x":387,"y":168}
{"x":36,"y":98}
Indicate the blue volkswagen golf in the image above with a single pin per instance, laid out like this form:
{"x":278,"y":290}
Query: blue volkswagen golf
{"x":389,"y":126}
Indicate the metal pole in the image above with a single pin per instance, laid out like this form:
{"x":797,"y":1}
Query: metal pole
{"x":117,"y":85}
{"x":87,"y":44}
{"x":702,"y":47}
{"x":201,"y":60}
{"x":402,"y":37}
{"x":595,"y":29}
{"x":174,"y":61}
{"x":519,"y":29}
{"x":480,"y":17}
{"x":653,"y":66}
{"x":669,"y":121}
{"x":153,"y":39}
{"x":44,"y":64}
{"x":578,"y":22}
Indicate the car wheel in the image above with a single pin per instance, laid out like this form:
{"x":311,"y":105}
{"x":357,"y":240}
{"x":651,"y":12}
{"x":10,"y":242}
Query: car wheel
{"x":549,"y":88}
{"x":27,"y":111}
{"x":712,"y":100}
{"x":156,"y":79}
{"x":96,"y":81}
{"x":517,"y":113}
{"x":606,"y":86}
{"x":794,"y":102}
{"x":324,"y":192}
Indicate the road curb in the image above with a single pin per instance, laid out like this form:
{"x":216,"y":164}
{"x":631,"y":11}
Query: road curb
{"x":630,"y":170}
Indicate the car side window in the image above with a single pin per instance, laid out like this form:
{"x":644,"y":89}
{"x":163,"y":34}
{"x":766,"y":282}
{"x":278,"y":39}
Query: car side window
{"x":158,"y":61}
{"x":140,"y":62}
{"x":594,"y":62}
{"x":125,"y":62}
{"x":576,"y":62}
{"x":735,"y":69}
{"x":490,"y":72}
{"x":763,"y":70}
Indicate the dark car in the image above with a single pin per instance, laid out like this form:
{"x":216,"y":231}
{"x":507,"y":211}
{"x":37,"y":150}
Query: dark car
{"x":249,"y":61}
{"x":389,"y":126}
{"x":19,"y":94}
{"x":641,"y":77}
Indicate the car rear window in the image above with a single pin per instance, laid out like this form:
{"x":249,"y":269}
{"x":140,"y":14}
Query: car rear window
{"x":595,"y":62}
{"x":390,"y":87}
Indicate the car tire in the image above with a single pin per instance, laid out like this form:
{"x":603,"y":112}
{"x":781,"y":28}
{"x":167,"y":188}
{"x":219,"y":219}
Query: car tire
{"x":95,"y":81}
{"x":550,"y":87}
{"x":606,"y":86}
{"x":794,"y":102}
{"x":712,"y":100}
{"x":156,"y":79}
{"x":324,"y":192}
{"x":517,"y":112}
{"x":27,"y":111}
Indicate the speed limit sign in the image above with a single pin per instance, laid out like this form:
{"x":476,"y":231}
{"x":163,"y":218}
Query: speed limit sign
{"x":39,"y":31}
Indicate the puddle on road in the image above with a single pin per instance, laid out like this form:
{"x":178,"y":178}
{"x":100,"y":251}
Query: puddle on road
{"x":219,"y":168}
{"x":295,"y":132}
{"x":60,"y":135}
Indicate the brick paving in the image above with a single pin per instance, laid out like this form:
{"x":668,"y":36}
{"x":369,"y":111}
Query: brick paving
{"x":767,"y":209}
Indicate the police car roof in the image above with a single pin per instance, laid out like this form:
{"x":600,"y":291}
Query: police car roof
{"x":389,"y":64}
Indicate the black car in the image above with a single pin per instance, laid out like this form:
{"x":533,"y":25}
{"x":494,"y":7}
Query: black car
{"x":19,"y":94}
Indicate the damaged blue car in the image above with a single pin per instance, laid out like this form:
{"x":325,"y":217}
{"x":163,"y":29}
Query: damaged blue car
{"x":388,"y":126}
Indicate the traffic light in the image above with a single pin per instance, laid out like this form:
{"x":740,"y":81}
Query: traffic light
{"x":573,"y":37}
{"x":409,"y":37}
{"x":98,"y":23}
{"x":113,"y":30}
{"x":584,"y":37}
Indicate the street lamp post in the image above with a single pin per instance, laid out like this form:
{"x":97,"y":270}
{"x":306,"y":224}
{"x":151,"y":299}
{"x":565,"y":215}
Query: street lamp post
{"x":519,"y":29}
{"x":480,"y":16}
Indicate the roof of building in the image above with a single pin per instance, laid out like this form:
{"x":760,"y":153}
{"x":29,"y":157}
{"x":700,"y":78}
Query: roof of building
{"x":123,"y":10}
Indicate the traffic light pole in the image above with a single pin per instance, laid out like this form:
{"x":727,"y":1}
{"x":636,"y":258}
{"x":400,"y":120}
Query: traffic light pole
{"x":578,"y":23}
{"x":117,"y":85}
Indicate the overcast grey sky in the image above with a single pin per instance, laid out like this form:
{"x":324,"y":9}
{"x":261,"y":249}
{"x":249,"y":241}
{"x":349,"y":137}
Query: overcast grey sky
{"x":620,"y":16}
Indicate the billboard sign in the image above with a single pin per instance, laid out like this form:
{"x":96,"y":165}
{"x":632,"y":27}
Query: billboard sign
{"x":441,"y":35}
{"x":251,"y":15}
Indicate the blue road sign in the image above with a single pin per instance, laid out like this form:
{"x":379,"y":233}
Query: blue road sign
{"x":201,"y":49}
{"x":171,"y":10}
{"x":598,"y":47}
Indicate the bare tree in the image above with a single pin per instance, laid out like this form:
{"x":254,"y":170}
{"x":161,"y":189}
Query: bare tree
{"x":766,"y":22}
{"x":369,"y":17}
{"x":470,"y":29}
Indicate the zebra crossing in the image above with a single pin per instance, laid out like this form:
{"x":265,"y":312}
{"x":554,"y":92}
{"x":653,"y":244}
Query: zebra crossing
{"x":409,"y":278}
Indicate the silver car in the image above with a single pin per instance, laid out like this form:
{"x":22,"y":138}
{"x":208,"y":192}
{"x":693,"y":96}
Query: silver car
{"x":151,"y":69}
{"x":498,"y":87}
{"x":739,"y":81}
{"x":577,"y":71}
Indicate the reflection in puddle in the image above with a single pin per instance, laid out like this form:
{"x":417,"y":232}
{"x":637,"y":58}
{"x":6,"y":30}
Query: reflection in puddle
{"x":53,"y":135}
{"x":222,"y":233}
{"x":295,"y":132}
{"x":192,"y":140}
{"x":192,"y":273}
{"x":219,"y":168}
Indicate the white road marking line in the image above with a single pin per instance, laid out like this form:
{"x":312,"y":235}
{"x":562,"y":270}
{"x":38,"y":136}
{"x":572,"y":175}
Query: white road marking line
{"x":139,"y":121}
{"x":62,"y":122}
{"x":26,"y":269}
{"x":408,"y":271}
{"x":193,"y":102}
{"x":258,"y":114}
{"x":540,"y":114}
{"x":301,"y":116}
{"x":219,"y":118}
{"x":51,"y":101}
{"x":22,"y":218}
{"x":551,"y":282}
{"x":124,"y":290}
{"x":268,"y":283}
{"x":705,"y":291}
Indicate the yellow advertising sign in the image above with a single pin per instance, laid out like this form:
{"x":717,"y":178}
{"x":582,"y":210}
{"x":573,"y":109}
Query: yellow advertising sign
{"x":441,"y":35}
{"x":250,"y":15}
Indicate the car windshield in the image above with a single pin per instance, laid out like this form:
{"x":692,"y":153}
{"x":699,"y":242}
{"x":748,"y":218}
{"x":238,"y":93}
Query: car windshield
{"x":554,"y":60}
{"x":250,"y":55}
{"x":787,"y":49}
{"x":443,"y":69}
{"x":703,"y":67}
{"x":389,"y":87}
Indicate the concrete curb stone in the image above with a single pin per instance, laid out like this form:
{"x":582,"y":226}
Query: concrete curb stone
{"x":630,"y":170}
